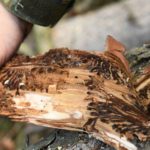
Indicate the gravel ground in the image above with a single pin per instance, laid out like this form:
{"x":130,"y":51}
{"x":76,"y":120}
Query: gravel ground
{"x":68,"y":140}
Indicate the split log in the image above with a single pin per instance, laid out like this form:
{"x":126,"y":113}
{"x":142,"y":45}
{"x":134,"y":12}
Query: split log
{"x":80,"y":91}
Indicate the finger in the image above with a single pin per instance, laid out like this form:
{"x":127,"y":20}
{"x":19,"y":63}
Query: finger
{"x":12,"y":33}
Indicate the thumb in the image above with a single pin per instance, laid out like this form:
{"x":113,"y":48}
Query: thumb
{"x":12,"y":33}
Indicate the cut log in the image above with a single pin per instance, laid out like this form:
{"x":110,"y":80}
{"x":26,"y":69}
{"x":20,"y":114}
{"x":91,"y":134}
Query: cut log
{"x":78,"y":90}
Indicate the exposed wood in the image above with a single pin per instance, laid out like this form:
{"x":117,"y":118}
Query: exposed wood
{"x":81,"y":91}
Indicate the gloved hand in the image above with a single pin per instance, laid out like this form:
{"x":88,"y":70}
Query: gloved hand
{"x":12,"y":32}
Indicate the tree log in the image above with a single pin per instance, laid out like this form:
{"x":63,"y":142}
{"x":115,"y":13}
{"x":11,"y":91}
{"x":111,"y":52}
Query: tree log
{"x":81,"y":91}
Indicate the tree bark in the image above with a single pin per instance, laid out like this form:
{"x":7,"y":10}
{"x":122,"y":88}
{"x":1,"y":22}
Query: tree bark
{"x":93,"y":92}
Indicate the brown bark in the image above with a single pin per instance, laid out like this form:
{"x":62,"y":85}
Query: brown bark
{"x":81,"y":91}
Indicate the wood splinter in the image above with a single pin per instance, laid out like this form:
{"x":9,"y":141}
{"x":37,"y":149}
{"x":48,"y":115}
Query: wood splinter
{"x":81,"y":91}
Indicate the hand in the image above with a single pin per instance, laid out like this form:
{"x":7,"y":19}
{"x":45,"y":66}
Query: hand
{"x":12,"y":32}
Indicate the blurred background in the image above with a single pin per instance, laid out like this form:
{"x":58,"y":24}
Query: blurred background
{"x":85,"y":27}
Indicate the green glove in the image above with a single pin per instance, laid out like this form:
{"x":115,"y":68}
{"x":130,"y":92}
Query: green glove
{"x":41,"y":12}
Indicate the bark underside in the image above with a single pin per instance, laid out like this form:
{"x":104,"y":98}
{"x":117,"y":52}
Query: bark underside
{"x":81,"y":91}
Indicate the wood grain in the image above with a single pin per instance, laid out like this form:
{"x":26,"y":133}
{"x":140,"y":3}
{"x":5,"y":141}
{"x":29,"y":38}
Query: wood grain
{"x":81,"y":91}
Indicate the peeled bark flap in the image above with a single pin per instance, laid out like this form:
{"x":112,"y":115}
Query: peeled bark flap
{"x":77,"y":90}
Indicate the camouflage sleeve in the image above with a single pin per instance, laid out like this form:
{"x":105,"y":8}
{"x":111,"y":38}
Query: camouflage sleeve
{"x":41,"y":12}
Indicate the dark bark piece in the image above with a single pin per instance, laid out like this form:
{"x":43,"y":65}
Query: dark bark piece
{"x":139,"y":60}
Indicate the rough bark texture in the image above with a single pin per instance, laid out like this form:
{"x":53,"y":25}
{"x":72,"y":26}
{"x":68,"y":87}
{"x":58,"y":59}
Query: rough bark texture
{"x":82,"y":91}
